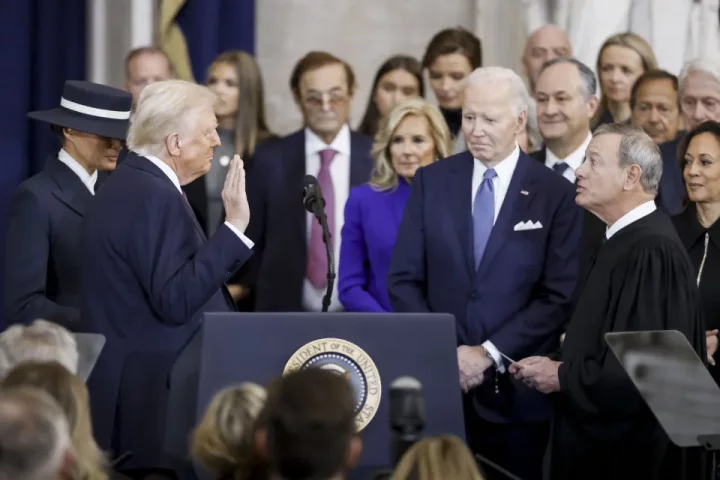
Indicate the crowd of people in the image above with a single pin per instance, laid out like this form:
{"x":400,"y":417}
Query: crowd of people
{"x":541,"y":212}
{"x":247,"y":432}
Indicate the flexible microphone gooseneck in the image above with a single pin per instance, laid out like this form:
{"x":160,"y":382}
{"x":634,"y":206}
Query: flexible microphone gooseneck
{"x":315,"y":203}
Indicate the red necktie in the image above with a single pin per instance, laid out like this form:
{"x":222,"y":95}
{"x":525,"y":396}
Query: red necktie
{"x":317,"y":258}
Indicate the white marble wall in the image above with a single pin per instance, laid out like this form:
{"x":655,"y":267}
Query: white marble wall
{"x":363,"y":32}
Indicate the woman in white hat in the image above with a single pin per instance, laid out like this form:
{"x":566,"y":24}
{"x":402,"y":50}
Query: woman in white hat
{"x":42,"y":252}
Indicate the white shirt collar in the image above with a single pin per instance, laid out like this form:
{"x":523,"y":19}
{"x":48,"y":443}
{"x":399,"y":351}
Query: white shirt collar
{"x":504,"y":168}
{"x":169,"y":172}
{"x":341,"y":143}
{"x":87,"y":179}
{"x":574,"y":160}
{"x":633,"y":215}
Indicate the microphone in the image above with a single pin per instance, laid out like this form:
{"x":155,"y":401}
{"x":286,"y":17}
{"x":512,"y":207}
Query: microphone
{"x":314,"y":203}
{"x":312,"y":195}
{"x":407,"y":416}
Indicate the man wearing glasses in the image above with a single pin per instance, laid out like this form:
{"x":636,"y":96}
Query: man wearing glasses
{"x":289,"y":266}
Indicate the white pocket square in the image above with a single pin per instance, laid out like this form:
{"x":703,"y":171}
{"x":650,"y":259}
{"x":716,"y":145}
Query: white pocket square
{"x":529,"y":225}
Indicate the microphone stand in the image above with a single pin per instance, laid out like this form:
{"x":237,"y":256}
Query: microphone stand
{"x":319,"y":212}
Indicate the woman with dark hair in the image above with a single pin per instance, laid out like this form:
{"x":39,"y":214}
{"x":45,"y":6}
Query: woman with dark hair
{"x":450,"y":57}
{"x":698,"y":225}
{"x":398,"y":79}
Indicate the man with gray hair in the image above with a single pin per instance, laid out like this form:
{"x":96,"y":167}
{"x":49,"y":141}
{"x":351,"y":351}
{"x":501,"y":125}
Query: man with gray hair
{"x":699,"y":84}
{"x":34,"y":437}
{"x":41,"y":341}
{"x":153,"y":272}
{"x":492,"y":237}
{"x":640,"y":279}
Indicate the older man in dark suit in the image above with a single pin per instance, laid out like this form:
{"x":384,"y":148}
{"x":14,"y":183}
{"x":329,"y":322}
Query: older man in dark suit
{"x":492,"y":236}
{"x":42,"y":265}
{"x":153,"y":272}
{"x":289,"y":270}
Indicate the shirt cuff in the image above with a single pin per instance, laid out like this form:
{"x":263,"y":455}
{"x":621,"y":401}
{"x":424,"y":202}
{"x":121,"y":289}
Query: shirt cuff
{"x":495,"y":354}
{"x":249,"y":243}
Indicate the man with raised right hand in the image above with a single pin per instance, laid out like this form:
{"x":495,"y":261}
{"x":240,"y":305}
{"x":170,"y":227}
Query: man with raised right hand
{"x":151,"y":272}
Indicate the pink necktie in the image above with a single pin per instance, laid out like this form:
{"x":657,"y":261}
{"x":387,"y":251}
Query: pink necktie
{"x":317,"y":258}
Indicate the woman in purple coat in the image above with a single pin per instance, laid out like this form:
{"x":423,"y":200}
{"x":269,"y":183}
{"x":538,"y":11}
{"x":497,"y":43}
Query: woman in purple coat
{"x":413,"y":135}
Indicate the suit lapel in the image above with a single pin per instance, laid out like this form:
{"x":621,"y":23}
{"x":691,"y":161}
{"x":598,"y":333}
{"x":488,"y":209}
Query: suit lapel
{"x":460,"y":196}
{"x":514,"y":202}
{"x":71,"y":191}
{"x":142,"y":163}
{"x":193,"y":217}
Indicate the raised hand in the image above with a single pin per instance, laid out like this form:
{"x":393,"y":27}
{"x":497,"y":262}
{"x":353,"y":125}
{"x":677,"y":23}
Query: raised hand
{"x":237,"y":209}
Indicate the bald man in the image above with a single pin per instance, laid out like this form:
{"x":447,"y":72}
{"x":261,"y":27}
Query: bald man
{"x":545,"y":43}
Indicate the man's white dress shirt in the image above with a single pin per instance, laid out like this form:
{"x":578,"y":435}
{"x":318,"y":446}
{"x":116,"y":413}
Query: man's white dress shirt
{"x":87,"y":179}
{"x":574,"y":160}
{"x":504,"y":170}
{"x":340,"y":174}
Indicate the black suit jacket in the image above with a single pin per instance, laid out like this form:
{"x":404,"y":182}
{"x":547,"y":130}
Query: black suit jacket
{"x":278,"y":222}
{"x":43,"y":256}
{"x":671,"y":193}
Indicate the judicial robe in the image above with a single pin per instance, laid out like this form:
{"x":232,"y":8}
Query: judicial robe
{"x":640,"y":279}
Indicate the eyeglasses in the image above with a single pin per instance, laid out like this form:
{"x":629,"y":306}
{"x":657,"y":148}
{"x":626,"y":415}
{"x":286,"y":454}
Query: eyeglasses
{"x":316,"y":100}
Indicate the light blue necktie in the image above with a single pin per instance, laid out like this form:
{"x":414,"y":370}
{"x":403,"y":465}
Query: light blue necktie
{"x":483,"y":214}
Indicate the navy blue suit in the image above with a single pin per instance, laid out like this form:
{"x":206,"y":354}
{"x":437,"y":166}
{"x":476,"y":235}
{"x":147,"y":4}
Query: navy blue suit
{"x":152,"y":275}
{"x":278,"y":218}
{"x":42,"y":260}
{"x":521,"y":295}
{"x":372,"y":219}
{"x":671,"y":191}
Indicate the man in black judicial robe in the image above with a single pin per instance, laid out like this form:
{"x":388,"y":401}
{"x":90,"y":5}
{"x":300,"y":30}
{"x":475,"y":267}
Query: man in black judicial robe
{"x":640,"y":279}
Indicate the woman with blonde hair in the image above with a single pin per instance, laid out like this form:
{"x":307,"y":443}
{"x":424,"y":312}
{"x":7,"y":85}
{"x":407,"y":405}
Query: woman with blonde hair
{"x":72,"y":396}
{"x":432,"y":458}
{"x":223,"y":442}
{"x":413,"y":135}
{"x":621,"y":61}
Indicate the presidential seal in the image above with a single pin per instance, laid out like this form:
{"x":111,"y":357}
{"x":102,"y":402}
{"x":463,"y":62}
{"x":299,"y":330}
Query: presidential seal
{"x":350,"y":361}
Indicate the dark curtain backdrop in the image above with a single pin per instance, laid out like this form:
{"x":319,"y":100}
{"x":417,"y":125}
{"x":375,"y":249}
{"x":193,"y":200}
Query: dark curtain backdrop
{"x":212,"y":26}
{"x":42,"y":44}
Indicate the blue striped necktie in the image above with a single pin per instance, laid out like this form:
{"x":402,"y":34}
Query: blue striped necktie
{"x":483,"y":215}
